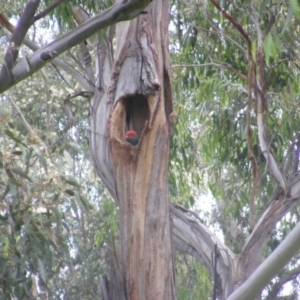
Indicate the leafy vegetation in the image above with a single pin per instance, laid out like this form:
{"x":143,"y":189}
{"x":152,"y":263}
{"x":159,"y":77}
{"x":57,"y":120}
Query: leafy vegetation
{"x":58,"y":226}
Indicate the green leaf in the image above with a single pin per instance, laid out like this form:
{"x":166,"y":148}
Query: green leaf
{"x":269,"y":49}
{"x":288,"y":19}
{"x":42,"y":269}
{"x":12,"y":179}
{"x":14,"y":136}
{"x":99,"y":237}
{"x":21,"y":173}
{"x":295,"y":8}
{"x":72,"y":181}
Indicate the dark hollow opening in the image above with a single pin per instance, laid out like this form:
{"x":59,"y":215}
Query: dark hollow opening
{"x":137,"y":113}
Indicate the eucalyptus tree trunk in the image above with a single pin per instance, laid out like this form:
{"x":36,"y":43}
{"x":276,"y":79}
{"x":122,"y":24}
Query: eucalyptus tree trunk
{"x":134,"y":94}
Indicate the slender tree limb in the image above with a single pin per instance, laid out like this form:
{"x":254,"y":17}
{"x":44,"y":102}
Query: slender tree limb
{"x":217,"y":31}
{"x":69,"y":113}
{"x":279,"y":206}
{"x":30,"y":130}
{"x":261,"y":115}
{"x":237,"y":25}
{"x":289,"y":162}
{"x":261,"y":99}
{"x":81,"y":16}
{"x":86,"y":85}
{"x":270,"y":267}
{"x":294,"y":187}
{"x":47,"y":100}
{"x":68,"y":109}
{"x":22,"y":117}
{"x":49,"y":9}
{"x":24,"y":23}
{"x":297,"y":155}
{"x":214,"y":258}
{"x":250,"y":141}
{"x":270,"y":24}
{"x":279,"y":285}
{"x":104,"y":287}
{"x":218,"y":65}
{"x":29,"y":65}
{"x":249,"y":131}
{"x":195,"y":238}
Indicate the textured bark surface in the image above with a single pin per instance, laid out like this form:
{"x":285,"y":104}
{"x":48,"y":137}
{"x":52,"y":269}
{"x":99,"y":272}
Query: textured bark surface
{"x":137,"y":97}
{"x":133,"y":92}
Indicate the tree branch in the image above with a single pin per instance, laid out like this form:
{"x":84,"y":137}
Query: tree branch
{"x":218,"y":65}
{"x":86,"y":85}
{"x":11,"y":55}
{"x":47,"y":100}
{"x":49,"y":9}
{"x":80,"y":15}
{"x":22,"y":117}
{"x":270,"y":267}
{"x":286,"y":278}
{"x":251,"y":156}
{"x":261,"y":113}
{"x":252,"y":250}
{"x":196,"y":239}
{"x":237,"y":25}
{"x":27,"y":66}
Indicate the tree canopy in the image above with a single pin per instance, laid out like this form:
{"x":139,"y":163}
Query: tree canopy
{"x":234,"y":154}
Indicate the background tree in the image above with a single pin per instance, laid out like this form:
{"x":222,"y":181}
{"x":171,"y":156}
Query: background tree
{"x":235,"y":86}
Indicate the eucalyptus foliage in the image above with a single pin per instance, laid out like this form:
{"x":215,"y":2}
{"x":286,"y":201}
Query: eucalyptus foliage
{"x":58,"y":227}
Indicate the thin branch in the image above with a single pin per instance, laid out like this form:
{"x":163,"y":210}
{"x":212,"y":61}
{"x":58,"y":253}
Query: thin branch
{"x":104,"y":287}
{"x":49,"y":9}
{"x":270,"y":24}
{"x":22,"y":117}
{"x":269,"y":268}
{"x":224,"y":66}
{"x":194,"y":238}
{"x":56,"y":62}
{"x":80,"y":15}
{"x":249,"y":131}
{"x":279,"y":285}
{"x":215,"y":256}
{"x":279,"y":206}
{"x":237,"y":25}
{"x":67,"y":106}
{"x":31,"y":132}
{"x":25,"y":67}
{"x":251,"y":155}
{"x":24,"y":23}
{"x":261,"y":114}
{"x":47,"y":100}
{"x":217,"y":31}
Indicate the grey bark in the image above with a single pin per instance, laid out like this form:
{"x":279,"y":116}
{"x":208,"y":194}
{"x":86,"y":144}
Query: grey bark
{"x":141,"y":70}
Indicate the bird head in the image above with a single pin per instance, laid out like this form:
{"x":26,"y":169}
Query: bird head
{"x":131,"y":137}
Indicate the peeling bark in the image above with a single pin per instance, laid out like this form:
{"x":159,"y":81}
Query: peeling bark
{"x":137,"y":96}
{"x":133,"y":92}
